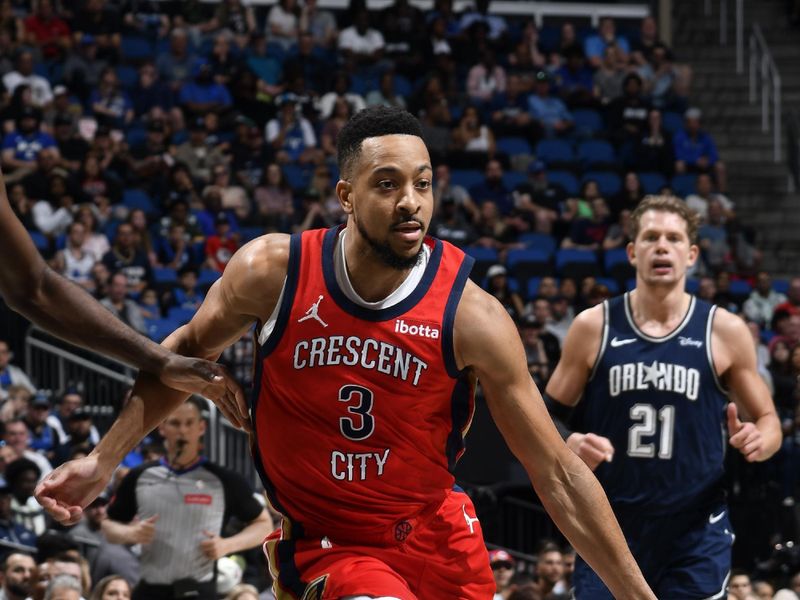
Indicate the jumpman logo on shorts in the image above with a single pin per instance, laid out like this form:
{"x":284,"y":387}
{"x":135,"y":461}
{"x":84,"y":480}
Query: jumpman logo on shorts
{"x":470,"y":520}
{"x":313,"y":313}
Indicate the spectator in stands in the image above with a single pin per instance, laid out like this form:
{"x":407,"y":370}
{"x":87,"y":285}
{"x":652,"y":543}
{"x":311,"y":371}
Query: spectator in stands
{"x":493,"y":189}
{"x":221,"y":246}
{"x":568,"y":556}
{"x":332,"y":126}
{"x":292,"y":135}
{"x":175,"y":251}
{"x":643,"y":46}
{"x":561,"y":316}
{"x":101,"y":277}
{"x":588,"y":234}
{"x":149,"y":91}
{"x":704,"y":193}
{"x":12,"y":532}
{"x":497,"y":284}
{"x":550,"y":573}
{"x":485,"y":79}
{"x":120,"y":305}
{"x":492,"y":228}
{"x":22,"y":475}
{"x":18,"y":570}
{"x":548,"y":287}
{"x":96,"y":243}
{"x":652,"y":150}
{"x":609,"y":76}
{"x":627,"y":115}
{"x":82,"y":68}
{"x":319,"y":24}
{"x":175,"y":66}
{"x":443,"y":187}
{"x":712,"y":237}
{"x":71,"y":148}
{"x":150,"y":160}
{"x":282,"y":25}
{"x":472,"y":142}
{"x":341,"y":90}
{"x":502,"y":564}
{"x":131,"y":261}
{"x":386,"y":95}
{"x":740,"y":587}
{"x":22,"y":146}
{"x":361,"y":46}
{"x":111,"y":105}
{"x":566,"y":40}
{"x":144,"y":18}
{"x":46,"y":30}
{"x":629,"y":197}
{"x":660,"y":75}
{"x":540,"y":198}
{"x":619,"y":232}
{"x":111,"y":587}
{"x":149,"y":304}
{"x":541,"y":349}
{"x":451,"y":224}
{"x":695,"y":150}
{"x":101,"y":21}
{"x":606,"y":35}
{"x":549,"y":110}
{"x":225,"y":63}
{"x":41,"y":92}
{"x":73,"y":262}
{"x":763,"y":590}
{"x":527,"y":57}
{"x":274,"y":201}
{"x":22,"y":205}
{"x":509,"y":114}
{"x":79,"y":436}
{"x":202,"y":94}
{"x":196,"y":154}
{"x":187,"y":295}
{"x":235,"y":17}
{"x":792,"y":303}
{"x":43,"y":438}
{"x":63,"y":587}
{"x":16,"y":404}
{"x":762,"y":301}
{"x":574,"y":80}
{"x":11,"y":374}
{"x":497,"y":28}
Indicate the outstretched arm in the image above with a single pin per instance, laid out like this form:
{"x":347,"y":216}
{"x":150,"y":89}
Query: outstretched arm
{"x":66,"y":310}
{"x":247,"y":292}
{"x":487,"y":342}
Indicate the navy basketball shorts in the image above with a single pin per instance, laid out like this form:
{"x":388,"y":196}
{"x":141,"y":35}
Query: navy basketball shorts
{"x":683,"y":557}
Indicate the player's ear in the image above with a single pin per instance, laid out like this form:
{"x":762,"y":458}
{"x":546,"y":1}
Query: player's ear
{"x":694,"y":252}
{"x":631,"y":250}
{"x":344,"y":192}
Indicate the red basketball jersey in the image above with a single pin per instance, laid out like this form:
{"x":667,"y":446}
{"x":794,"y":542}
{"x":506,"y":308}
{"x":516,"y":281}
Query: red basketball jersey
{"x":360,"y":414}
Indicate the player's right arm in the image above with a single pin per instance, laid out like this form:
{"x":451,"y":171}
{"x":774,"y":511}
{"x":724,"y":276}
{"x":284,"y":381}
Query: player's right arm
{"x":247,"y":292}
{"x":486,"y":341}
{"x":565,"y":387}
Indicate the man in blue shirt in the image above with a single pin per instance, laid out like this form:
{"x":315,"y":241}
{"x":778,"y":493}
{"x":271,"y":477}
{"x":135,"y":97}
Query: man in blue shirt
{"x":492,"y":188}
{"x":696,"y":151}
{"x":549,"y":110}
{"x":595,"y":45}
{"x":203,"y":94}
{"x":22,"y":146}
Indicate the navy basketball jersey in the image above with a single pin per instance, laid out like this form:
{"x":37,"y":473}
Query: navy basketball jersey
{"x":662,"y":406}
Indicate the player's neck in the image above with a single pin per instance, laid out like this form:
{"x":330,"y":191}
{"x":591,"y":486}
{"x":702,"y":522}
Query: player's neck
{"x":659,"y":304}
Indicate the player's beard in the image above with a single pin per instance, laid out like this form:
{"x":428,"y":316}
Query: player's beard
{"x":385,"y":253}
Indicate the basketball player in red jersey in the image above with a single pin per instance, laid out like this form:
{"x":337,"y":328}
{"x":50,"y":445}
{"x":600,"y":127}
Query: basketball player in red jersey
{"x":370,"y":339}
{"x":59,"y":306}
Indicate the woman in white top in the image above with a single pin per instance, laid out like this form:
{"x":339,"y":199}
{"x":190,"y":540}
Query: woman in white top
{"x":73,"y":262}
{"x":282,"y":23}
{"x":96,"y":243}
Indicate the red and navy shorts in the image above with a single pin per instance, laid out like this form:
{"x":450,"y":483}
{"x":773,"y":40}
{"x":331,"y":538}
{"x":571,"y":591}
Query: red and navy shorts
{"x":444,"y":558}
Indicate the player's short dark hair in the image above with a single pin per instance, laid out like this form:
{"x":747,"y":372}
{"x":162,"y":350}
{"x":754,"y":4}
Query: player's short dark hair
{"x":374,"y":121}
{"x":19,"y":466}
{"x":664,"y":203}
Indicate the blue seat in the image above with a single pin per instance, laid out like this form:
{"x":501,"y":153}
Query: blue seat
{"x":164,"y":275}
{"x":512,"y":179}
{"x":484,"y":258}
{"x":514,"y":146}
{"x":251,"y":233}
{"x":576,"y":264}
{"x":588,"y":122}
{"x":684,"y":184}
{"x":614,"y":257}
{"x":740,"y":289}
{"x":533,"y":287}
{"x":180,"y":315}
{"x":127,"y":76}
{"x":529,"y":263}
{"x":207,"y":277}
{"x":138,"y":199}
{"x":297,"y":177}
{"x":672,"y":122}
{"x":136,"y":48}
{"x":158,"y":329}
{"x":555,"y":152}
{"x":466,"y":177}
{"x":40,"y":241}
{"x":609,"y":182}
{"x":566,"y":180}
{"x":135,"y":136}
{"x":539,"y":241}
{"x":652,"y":181}
{"x":528,"y":255}
{"x":780,"y":285}
{"x":630,"y":284}
{"x":594,"y":152}
{"x":403,"y":86}
{"x":692,"y":285}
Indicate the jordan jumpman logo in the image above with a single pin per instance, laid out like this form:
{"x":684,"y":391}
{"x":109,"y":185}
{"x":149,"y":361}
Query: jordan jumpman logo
{"x":313,"y":313}
{"x":470,"y":520}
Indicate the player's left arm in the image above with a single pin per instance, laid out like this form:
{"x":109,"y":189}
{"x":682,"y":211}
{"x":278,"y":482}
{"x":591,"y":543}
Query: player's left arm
{"x":487,"y":342}
{"x":735,"y":360}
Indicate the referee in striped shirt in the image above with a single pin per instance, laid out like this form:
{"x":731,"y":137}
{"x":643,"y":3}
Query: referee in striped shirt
{"x":176,"y":508}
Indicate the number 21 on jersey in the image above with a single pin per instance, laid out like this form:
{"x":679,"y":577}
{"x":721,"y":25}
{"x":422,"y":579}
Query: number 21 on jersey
{"x":649,"y":423}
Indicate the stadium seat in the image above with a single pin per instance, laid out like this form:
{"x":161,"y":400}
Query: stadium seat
{"x":402,"y":86}
{"x":135,"y":136}
{"x":127,"y":76}
{"x":672,"y":122}
{"x":297,"y":177}
{"x":484,"y":258}
{"x":780,"y":285}
{"x":566,"y":180}
{"x":652,"y":181}
{"x":524,"y":264}
{"x":207,"y":277}
{"x":597,"y":153}
{"x":609,"y":182}
{"x":740,"y":290}
{"x":692,"y":285}
{"x":611,"y":284}
{"x":614,"y":257}
{"x":576,"y":264}
{"x":588,"y":122}
{"x":514,"y":146}
{"x":164,"y":275}
{"x":158,"y":329}
{"x":135,"y":48}
{"x":40,"y":241}
{"x":512,"y":179}
{"x":250,"y":233}
{"x":539,"y":241}
{"x":556,"y":153}
{"x":466,"y":177}
{"x":138,"y":199}
{"x":533,"y":287}
{"x":180,"y":315}
{"x":684,"y":184}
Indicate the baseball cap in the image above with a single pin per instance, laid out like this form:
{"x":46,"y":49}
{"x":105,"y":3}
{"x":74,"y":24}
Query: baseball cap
{"x":222,"y":219}
{"x":536,"y":166}
{"x":500,"y":556}
{"x":40,"y":399}
{"x":60,"y":89}
{"x":495,"y":270}
{"x":693,"y":113}
{"x":287,"y":98}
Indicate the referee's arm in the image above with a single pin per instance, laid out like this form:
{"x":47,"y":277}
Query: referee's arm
{"x":251,"y":536}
